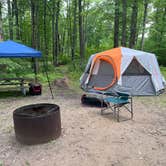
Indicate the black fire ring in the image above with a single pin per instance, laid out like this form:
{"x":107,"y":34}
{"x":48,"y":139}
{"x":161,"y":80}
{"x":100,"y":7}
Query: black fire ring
{"x":37,"y":123}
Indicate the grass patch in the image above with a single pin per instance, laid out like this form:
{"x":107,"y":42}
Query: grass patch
{"x":12,"y":93}
{"x":1,"y":163}
{"x":70,"y":71}
{"x":163,"y":71}
{"x":54,"y":73}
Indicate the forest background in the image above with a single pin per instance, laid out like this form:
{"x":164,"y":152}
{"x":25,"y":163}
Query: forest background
{"x":69,"y":31}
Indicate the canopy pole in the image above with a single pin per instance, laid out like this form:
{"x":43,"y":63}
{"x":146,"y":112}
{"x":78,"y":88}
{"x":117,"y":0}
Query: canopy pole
{"x":48,"y":80}
{"x":35,"y":68}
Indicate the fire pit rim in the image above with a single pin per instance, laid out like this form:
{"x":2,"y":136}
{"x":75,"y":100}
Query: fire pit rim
{"x":54,"y":108}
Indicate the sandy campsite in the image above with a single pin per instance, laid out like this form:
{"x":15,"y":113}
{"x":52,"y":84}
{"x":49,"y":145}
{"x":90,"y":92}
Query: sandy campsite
{"x":87,"y":137}
{"x":113,"y":50}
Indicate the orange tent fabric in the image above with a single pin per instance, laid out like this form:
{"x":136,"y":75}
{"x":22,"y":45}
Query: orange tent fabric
{"x":113,"y":57}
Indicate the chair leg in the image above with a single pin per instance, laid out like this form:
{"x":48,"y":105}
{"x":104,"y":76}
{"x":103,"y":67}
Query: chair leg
{"x":102,"y":111}
{"x":102,"y":103}
{"x":114,"y":111}
{"x":105,"y":108}
{"x":131,"y":108}
{"x":118,"y":114}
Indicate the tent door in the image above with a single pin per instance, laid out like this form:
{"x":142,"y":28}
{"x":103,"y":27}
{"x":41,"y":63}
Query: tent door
{"x":138,"y":79}
{"x":102,"y":75}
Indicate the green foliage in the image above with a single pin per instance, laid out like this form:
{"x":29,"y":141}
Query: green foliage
{"x":63,"y":60}
{"x":163,"y":71}
{"x":157,"y":32}
{"x":15,"y":67}
{"x":1,"y":163}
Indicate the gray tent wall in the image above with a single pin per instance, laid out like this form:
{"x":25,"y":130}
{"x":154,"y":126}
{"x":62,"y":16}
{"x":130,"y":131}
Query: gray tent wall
{"x":138,"y":79}
{"x":149,"y":62}
{"x":85,"y":75}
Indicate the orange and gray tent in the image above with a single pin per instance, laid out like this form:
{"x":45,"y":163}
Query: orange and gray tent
{"x":123,"y":70}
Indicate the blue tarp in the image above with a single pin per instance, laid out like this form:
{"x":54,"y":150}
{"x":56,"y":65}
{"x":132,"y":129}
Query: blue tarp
{"x":11,"y":49}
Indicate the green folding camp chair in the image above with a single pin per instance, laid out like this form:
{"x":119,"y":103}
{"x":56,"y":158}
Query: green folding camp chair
{"x":116,"y":102}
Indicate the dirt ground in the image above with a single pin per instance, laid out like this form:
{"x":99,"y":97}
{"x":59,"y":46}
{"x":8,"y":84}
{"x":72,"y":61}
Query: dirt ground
{"x":89,"y":139}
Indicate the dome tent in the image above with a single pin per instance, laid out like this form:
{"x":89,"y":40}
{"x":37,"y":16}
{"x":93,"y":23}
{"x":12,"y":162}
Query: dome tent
{"x":123,"y":70}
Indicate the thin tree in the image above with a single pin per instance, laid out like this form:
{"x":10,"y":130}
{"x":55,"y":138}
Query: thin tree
{"x":116,"y":24}
{"x":144,"y":23}
{"x":1,"y":31}
{"x":124,"y":15}
{"x":69,"y":28}
{"x":74,"y":32}
{"x":57,"y":32}
{"x":63,"y":38}
{"x":10,"y":21}
{"x":37,"y":24}
{"x":45,"y":28}
{"x":33,"y":24}
{"x":33,"y":38}
{"x":86,"y":15}
{"x":15,"y":5}
{"x":81,"y":32}
{"x":53,"y":30}
{"x":133,"y":24}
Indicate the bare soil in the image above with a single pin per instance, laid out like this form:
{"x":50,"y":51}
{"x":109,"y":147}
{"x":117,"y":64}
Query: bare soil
{"x":88,"y":138}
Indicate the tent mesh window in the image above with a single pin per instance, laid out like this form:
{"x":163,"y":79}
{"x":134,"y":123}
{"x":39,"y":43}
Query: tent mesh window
{"x":138,"y":79}
{"x":135,"y":68}
{"x":104,"y":75}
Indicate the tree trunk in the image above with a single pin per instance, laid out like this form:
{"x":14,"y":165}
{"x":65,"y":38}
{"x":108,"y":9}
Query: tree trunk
{"x":116,"y":24}
{"x":16,"y":19}
{"x":21,"y":18}
{"x":33,"y":39}
{"x":57,"y":33}
{"x":81,"y":33}
{"x":133,"y":26}
{"x":74,"y":33}
{"x":10,"y":20}
{"x":37,"y":25}
{"x":53,"y":30}
{"x":33,"y":27}
{"x":69,"y":32}
{"x":1,"y":31}
{"x":63,"y":40}
{"x":45,"y":31}
{"x":144,"y":23}
{"x":124,"y":15}
{"x":87,"y":4}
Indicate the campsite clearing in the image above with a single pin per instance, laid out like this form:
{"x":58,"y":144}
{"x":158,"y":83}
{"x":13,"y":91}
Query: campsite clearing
{"x":87,"y":137}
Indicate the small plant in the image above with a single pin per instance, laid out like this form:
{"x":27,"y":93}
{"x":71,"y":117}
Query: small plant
{"x":1,"y":163}
{"x":27,"y":163}
{"x":163,"y":71}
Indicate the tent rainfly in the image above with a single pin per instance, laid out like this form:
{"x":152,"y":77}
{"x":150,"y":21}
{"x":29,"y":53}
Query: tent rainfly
{"x":123,"y":70}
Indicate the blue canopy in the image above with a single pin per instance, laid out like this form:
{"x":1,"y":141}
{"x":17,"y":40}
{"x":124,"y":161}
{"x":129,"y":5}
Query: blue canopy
{"x":11,"y":49}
